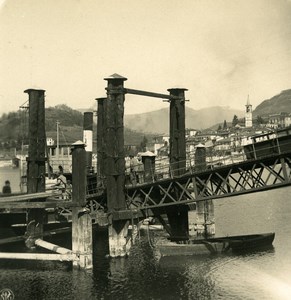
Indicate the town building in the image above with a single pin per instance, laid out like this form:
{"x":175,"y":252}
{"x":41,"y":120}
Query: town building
{"x":277,"y":121}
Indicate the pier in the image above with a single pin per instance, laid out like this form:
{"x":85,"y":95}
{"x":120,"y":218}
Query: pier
{"x":180,"y":185}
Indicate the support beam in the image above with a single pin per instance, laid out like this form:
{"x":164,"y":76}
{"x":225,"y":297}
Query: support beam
{"x":150,"y":94}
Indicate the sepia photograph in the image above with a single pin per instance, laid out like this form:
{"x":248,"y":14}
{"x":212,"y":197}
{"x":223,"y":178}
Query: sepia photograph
{"x":145,"y":149}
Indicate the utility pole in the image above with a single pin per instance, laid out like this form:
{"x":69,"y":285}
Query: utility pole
{"x":58,"y":141}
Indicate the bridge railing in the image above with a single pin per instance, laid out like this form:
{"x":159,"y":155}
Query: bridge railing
{"x":163,"y":169}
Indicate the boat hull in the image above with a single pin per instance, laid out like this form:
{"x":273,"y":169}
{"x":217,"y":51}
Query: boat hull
{"x":216,"y":245}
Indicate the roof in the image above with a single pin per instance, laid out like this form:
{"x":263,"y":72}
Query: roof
{"x":115,"y":76}
{"x":148,"y":153}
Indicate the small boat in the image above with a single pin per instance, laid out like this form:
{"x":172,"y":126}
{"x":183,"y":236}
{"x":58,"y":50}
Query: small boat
{"x":251,"y":242}
{"x":215,"y":245}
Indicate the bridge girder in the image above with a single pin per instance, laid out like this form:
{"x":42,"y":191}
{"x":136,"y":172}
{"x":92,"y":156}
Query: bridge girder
{"x":226,"y":181}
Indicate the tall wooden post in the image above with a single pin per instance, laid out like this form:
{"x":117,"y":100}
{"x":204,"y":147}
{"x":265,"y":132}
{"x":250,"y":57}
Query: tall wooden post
{"x":81,"y":219}
{"x":101,"y":108}
{"x":115,"y":163}
{"x":88,"y":138}
{"x":178,"y":217}
{"x":36,"y":163}
{"x":177,"y":132}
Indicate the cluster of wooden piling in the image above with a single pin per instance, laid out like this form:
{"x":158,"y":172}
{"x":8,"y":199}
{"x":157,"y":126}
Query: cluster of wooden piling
{"x":110,"y":173}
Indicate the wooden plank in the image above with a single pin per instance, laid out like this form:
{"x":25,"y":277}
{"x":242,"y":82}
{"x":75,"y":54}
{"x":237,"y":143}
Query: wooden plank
{"x":13,"y":239}
{"x":38,"y":256}
{"x":47,"y":204}
{"x":52,"y":247}
{"x":16,"y":239}
{"x":26,"y":197}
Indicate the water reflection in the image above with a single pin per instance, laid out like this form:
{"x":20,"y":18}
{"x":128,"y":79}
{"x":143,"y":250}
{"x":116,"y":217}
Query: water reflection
{"x":144,"y":275}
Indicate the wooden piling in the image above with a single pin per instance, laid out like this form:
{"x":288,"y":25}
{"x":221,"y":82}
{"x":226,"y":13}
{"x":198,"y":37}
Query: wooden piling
{"x":36,"y":162}
{"x":115,"y":163}
{"x":81,"y":219}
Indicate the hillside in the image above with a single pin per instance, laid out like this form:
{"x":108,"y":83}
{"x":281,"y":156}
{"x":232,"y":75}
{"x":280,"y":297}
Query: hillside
{"x":276,"y":104}
{"x":14,"y":127}
{"x":158,"y":121}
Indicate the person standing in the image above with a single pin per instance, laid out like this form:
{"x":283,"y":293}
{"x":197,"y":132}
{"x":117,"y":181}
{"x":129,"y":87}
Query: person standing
{"x":61,"y":183}
{"x":6,"y":188}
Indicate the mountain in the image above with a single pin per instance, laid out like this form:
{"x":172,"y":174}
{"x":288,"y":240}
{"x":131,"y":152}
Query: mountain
{"x":158,"y":121}
{"x":277,"y":104}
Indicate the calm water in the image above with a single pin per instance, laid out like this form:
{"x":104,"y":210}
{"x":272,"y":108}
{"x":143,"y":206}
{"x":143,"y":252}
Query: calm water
{"x":259,"y":275}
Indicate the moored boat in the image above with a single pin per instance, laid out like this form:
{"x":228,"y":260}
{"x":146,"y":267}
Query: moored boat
{"x":217,"y":245}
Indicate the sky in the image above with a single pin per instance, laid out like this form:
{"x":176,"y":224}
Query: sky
{"x":220,"y":50}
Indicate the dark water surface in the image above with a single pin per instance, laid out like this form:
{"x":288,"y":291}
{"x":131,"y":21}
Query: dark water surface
{"x":144,"y":275}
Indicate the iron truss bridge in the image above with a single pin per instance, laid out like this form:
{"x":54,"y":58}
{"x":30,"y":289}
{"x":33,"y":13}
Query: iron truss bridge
{"x":224,"y":181}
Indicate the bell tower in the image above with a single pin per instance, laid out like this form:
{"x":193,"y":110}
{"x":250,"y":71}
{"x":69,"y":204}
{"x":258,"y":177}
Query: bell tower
{"x":248,"y":114}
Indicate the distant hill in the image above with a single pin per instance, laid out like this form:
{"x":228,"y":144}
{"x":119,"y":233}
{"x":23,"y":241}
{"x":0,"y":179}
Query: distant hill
{"x":158,"y":121}
{"x":14,"y":127}
{"x":276,"y":104}
{"x":15,"y":124}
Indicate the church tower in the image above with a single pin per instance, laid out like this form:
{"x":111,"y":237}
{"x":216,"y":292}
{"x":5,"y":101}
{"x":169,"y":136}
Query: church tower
{"x":249,"y":114}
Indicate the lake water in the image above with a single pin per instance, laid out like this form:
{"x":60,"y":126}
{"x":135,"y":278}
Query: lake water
{"x":143,"y":275}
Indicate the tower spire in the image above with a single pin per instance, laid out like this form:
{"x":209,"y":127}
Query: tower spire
{"x":248,"y":100}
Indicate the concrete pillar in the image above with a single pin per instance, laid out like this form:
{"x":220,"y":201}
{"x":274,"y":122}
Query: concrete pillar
{"x":88,"y":138}
{"x":81,"y":219}
{"x":115,"y":163}
{"x":205,"y":222}
{"x":205,"y":209}
{"x":36,"y":163}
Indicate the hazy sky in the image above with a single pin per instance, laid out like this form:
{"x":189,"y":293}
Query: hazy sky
{"x":221,"y":50}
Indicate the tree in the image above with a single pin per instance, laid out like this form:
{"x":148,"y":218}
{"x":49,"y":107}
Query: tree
{"x":260,"y":120}
{"x":219,"y":128}
{"x":224,"y":125}
{"x":234,"y":120}
{"x":143,"y":144}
